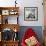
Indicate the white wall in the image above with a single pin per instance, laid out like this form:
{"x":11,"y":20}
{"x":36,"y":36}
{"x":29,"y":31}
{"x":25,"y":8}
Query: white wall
{"x":6,"y":3}
{"x":26,"y":3}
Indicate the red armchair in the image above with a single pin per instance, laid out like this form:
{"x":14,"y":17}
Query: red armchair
{"x":30,"y":34}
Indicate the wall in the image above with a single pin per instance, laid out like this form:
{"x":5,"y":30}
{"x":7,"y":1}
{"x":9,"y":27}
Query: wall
{"x":34,"y":3}
{"x":26,"y":3}
{"x":37,"y":29}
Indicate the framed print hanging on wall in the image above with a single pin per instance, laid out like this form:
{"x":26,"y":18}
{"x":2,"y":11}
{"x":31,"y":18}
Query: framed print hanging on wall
{"x":30,"y":13}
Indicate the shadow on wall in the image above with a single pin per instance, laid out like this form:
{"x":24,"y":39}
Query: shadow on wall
{"x":37,"y":29}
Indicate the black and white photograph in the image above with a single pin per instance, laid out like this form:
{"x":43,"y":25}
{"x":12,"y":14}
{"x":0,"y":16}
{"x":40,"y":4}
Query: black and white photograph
{"x":31,"y":13}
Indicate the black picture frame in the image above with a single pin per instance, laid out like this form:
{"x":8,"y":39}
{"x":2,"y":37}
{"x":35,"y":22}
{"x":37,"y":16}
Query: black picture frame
{"x":30,"y":13}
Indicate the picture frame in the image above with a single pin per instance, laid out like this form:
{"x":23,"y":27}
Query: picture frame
{"x":5,"y":12}
{"x":13,"y":12}
{"x":30,"y":13}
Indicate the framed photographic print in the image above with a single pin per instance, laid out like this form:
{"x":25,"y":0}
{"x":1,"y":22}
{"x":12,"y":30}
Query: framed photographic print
{"x":5,"y":12}
{"x":13,"y":12}
{"x":30,"y":13}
